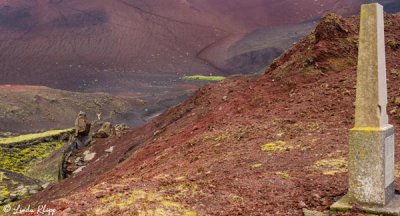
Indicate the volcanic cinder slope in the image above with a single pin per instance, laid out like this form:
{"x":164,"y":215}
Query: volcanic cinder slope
{"x":269,"y":144}
{"x":140,"y":49}
{"x":120,"y":45}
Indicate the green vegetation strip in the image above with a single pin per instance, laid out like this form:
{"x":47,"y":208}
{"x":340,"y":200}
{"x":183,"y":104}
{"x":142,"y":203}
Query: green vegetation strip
{"x":30,"y":137}
{"x":204,"y":78}
{"x":20,"y":160}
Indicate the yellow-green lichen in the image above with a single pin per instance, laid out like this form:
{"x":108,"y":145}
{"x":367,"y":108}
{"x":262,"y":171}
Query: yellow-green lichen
{"x":185,"y":190}
{"x":366,"y":129}
{"x":217,"y":138}
{"x":283,"y":175}
{"x":143,"y":203}
{"x":3,"y":177}
{"x":180,"y":178}
{"x":170,"y":204}
{"x":204,"y":78}
{"x":190,"y":213}
{"x":4,"y":192}
{"x":140,"y":101}
{"x":162,"y":176}
{"x":256,"y":166}
{"x":235,"y":198}
{"x":182,"y":187}
{"x":278,"y":146}
{"x":331,"y":166}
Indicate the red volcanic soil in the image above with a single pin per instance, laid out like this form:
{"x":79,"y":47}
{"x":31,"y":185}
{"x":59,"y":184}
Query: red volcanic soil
{"x":205,"y":155}
{"x":22,"y":88}
{"x":119,"y":45}
{"x":81,"y":45}
{"x":256,"y":13}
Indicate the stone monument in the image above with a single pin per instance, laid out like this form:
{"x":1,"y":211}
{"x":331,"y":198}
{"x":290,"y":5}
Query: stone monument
{"x":371,"y":141}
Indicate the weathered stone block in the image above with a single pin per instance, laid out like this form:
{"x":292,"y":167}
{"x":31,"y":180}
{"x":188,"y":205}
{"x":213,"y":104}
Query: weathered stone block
{"x":371,"y":165}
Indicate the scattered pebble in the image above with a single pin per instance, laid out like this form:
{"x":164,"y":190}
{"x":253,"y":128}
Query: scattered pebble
{"x":79,"y":170}
{"x":44,"y":186}
{"x":110,"y":150}
{"x":302,"y":205}
{"x":88,"y":156}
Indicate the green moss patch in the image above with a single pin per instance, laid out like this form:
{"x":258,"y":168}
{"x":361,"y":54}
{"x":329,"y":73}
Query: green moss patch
{"x":3,"y":177}
{"x":20,"y":159}
{"x":204,"y":78}
{"x":31,"y":137}
{"x":4,"y":192}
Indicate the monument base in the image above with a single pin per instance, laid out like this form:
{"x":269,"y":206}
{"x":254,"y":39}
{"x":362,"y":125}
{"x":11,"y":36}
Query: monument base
{"x":345,"y":205}
{"x":371,"y":165}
